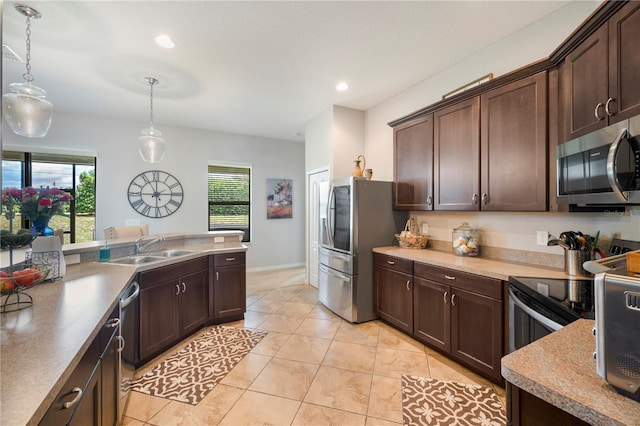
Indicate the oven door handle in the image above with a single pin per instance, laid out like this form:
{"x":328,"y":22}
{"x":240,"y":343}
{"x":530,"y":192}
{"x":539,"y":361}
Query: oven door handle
{"x":611,"y":167}
{"x":535,"y":315}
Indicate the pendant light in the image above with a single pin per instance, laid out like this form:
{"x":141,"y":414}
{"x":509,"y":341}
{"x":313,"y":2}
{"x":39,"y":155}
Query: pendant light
{"x":25,"y":109}
{"x":151,"y":143}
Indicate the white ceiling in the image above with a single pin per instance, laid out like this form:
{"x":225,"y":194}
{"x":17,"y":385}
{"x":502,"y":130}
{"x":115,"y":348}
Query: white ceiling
{"x":260,"y":68}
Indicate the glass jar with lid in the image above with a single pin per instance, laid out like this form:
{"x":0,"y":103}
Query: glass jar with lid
{"x":465,"y":241}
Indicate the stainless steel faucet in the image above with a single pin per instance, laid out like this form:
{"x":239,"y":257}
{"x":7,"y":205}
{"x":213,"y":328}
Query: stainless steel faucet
{"x":140,"y":248}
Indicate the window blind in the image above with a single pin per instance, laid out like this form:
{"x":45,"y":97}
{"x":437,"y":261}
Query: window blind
{"x":229,"y":191}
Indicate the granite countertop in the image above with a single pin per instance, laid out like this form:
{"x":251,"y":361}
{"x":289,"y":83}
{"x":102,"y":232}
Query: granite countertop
{"x":41,"y":345}
{"x":492,"y":268}
{"x":560,"y":369}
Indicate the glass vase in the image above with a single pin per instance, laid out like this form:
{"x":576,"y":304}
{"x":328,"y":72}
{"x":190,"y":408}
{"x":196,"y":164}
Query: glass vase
{"x":41,"y":227}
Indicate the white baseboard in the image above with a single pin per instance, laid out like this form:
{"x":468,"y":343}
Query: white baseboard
{"x":276,"y":267}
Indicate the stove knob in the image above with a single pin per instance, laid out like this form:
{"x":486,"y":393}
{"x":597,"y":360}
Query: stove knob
{"x":595,"y":354}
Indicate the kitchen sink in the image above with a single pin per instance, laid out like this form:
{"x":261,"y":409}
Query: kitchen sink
{"x":137,"y":260}
{"x":171,"y":253}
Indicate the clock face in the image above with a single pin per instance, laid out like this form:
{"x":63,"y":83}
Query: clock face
{"x":155,"y":194}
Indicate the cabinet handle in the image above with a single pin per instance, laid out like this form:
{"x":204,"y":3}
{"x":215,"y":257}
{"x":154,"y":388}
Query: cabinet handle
{"x":474,"y":199}
{"x":453,"y":299}
{"x":177,"y":289}
{"x":391,"y":262}
{"x":606,"y":107}
{"x":595,"y":112}
{"x":429,"y":200}
{"x":449,"y":277}
{"x":184,"y":287}
{"x":485,"y":199}
{"x":408,"y":282}
{"x":121,"y":343}
{"x":112,"y":323}
{"x":444,"y":296}
{"x":230,"y":259}
{"x":75,"y":400}
{"x":217,"y":276}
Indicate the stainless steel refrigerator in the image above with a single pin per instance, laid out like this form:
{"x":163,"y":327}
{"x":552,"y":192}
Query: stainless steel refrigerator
{"x":355,"y":215}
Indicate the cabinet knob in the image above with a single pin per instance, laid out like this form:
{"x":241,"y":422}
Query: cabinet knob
{"x":449,"y":277}
{"x":391,"y":262}
{"x":75,"y":400}
{"x":408,"y":285}
{"x":474,"y":199}
{"x":453,"y":299}
{"x":595,"y":112}
{"x":121,"y":343}
{"x":444,"y":296}
{"x":217,"y":276}
{"x":485,"y":199}
{"x":606,"y":107}
{"x":184,"y":287}
{"x":429,"y":200}
{"x":177,"y":289}
{"x":230,"y":259}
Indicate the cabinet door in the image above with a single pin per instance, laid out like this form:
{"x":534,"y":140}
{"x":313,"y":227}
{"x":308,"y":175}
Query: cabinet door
{"x":624,"y":62}
{"x":394,"y":297}
{"x":194,"y":301}
{"x":110,"y":382}
{"x":230,"y":298}
{"x":88,"y":410}
{"x":432,"y":313}
{"x":514,"y":146}
{"x":584,"y":81}
{"x":476,"y":331}
{"x":456,"y":156}
{"x":413,"y":165}
{"x":158,"y":317}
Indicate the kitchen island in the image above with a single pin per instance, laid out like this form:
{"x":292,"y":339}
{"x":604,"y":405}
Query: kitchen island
{"x":560,"y":370}
{"x":42,"y":345}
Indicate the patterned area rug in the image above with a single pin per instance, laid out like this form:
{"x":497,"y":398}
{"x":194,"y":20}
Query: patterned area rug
{"x":434,"y":402}
{"x":191,"y":373}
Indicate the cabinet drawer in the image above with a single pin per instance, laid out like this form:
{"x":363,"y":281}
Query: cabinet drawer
{"x":172,"y":272}
{"x":393,"y":263}
{"x":489,"y":287}
{"x":228,"y":259}
{"x":109,"y":329}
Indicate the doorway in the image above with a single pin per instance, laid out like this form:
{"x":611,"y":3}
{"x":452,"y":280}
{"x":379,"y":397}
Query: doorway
{"x":313,"y":181}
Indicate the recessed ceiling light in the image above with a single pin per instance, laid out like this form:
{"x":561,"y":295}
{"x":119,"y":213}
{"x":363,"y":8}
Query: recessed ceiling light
{"x":342,"y":86}
{"x":165,"y":41}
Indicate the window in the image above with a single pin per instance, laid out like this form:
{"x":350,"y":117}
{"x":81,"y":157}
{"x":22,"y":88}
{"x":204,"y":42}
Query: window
{"x":230,"y":199}
{"x":72,"y":173}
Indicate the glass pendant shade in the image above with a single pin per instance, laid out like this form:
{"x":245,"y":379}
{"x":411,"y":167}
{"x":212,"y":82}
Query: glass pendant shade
{"x":26,"y":110}
{"x":151,"y":145}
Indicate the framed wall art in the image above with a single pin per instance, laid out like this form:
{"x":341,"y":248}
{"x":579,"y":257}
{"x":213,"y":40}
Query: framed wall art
{"x":279,"y":199}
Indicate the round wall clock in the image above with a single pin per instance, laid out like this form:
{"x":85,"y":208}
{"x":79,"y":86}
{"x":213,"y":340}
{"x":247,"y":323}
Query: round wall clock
{"x":155,"y":194}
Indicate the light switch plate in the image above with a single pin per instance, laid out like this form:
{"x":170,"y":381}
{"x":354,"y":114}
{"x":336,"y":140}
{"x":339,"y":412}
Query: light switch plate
{"x":132,"y":222}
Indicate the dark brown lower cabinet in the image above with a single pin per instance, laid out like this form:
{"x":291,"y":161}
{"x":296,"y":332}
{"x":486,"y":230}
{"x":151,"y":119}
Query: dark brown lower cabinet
{"x":456,"y":313}
{"x":174,"y":302}
{"x":89,"y":396}
{"x":524,"y":409}
{"x":393,"y":289}
{"x":229,"y":287}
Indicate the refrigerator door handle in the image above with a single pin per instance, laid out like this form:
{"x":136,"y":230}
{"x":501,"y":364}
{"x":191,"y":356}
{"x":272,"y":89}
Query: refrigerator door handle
{"x":329,"y":271}
{"x":329,"y":218}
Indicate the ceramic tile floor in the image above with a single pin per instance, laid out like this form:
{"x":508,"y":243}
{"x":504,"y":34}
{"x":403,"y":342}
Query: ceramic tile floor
{"x":312,"y":368}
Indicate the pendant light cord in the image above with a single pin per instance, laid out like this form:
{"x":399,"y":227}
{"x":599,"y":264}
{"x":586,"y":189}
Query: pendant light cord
{"x":151,"y":82}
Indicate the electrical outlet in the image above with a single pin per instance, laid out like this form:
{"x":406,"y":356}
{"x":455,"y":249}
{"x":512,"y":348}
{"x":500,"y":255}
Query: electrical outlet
{"x":542,"y":237}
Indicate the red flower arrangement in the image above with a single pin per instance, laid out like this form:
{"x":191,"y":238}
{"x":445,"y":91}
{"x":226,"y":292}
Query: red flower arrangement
{"x":36,"y":203}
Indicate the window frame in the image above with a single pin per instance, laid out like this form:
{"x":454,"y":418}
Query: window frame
{"x":27,"y":159}
{"x":226,"y":165}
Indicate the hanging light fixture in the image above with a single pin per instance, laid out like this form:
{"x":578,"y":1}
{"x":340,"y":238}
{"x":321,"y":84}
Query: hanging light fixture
{"x":151,"y":143}
{"x":25,"y":109}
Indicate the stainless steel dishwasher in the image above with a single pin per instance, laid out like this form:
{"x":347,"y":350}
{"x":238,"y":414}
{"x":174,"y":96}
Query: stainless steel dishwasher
{"x":129,"y":316}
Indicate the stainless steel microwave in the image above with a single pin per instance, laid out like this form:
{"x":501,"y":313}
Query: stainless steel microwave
{"x":601,"y":168}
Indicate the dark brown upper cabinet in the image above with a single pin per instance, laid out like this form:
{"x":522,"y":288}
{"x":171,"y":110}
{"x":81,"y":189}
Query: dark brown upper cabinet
{"x":456,"y":156}
{"x":513,"y":146}
{"x":599,"y":78}
{"x":413,"y":165}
